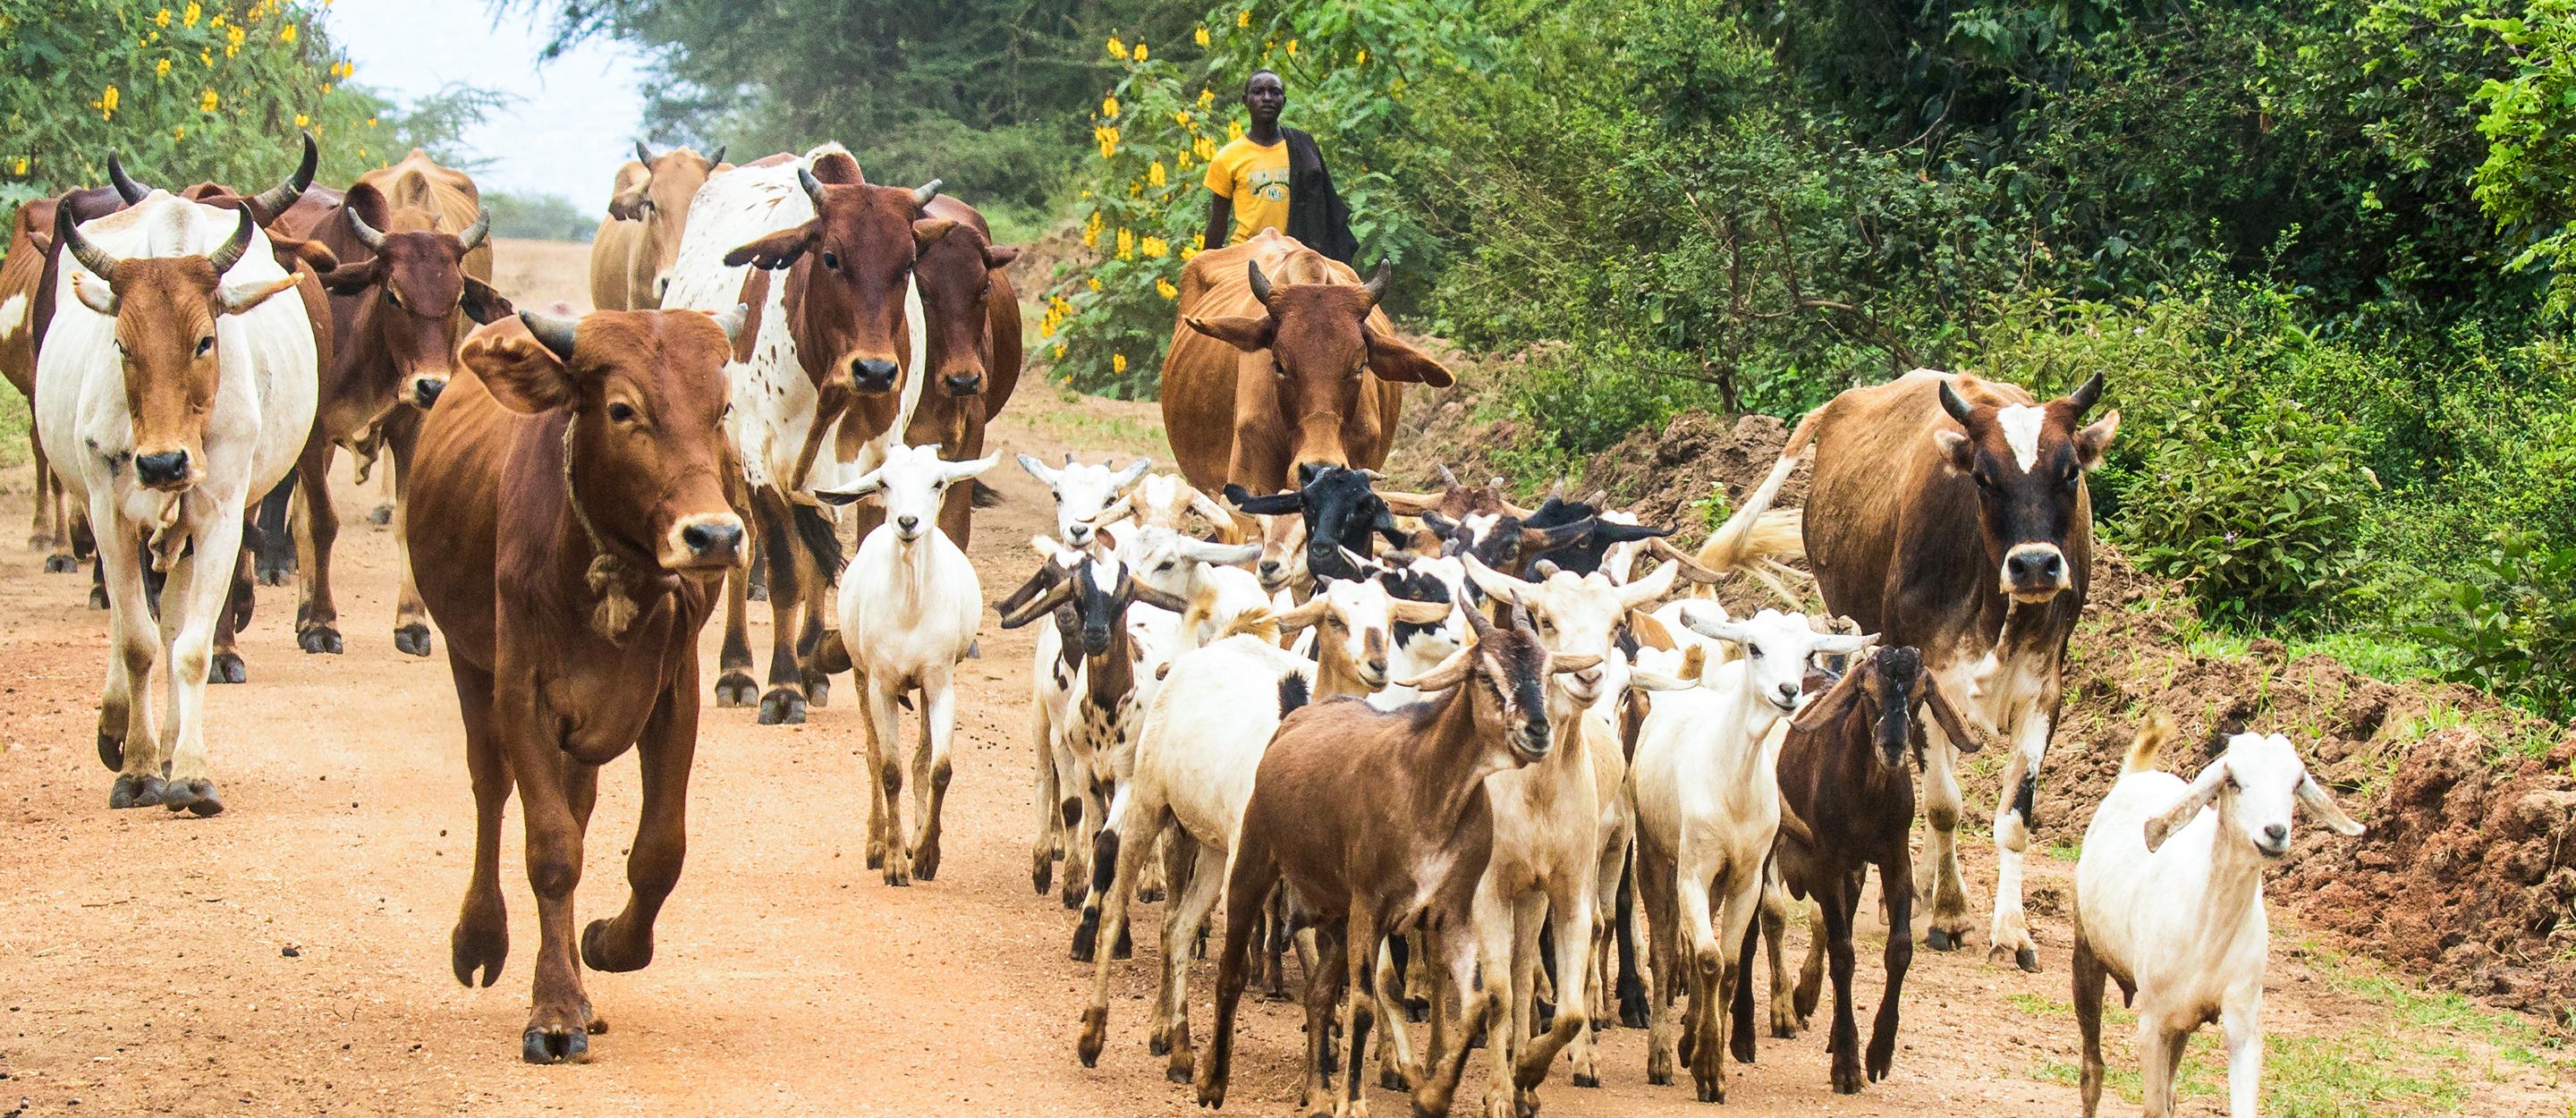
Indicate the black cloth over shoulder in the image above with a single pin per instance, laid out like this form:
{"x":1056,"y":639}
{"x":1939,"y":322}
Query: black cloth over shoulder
{"x":1317,"y":216}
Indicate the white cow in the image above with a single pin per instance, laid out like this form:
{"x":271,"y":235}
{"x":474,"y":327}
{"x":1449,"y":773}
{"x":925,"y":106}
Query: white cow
{"x":171,"y":388}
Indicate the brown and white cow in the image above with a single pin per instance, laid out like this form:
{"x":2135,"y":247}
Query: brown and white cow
{"x":415,"y":275}
{"x":648,"y":211}
{"x":1949,"y":514}
{"x":825,"y":261}
{"x":570,"y":514}
{"x":1282,"y":361}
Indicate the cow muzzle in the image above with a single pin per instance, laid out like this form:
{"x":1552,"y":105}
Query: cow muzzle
{"x":871,"y":376}
{"x":963,"y":384}
{"x":423,"y":389}
{"x":170,"y":471}
{"x":705,"y":542}
{"x":2036,"y":572}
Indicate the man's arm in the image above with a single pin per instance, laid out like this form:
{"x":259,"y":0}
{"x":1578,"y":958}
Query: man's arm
{"x":1220,"y":221}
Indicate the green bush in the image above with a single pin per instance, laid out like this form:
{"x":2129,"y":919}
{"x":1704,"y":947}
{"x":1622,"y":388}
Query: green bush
{"x":2510,"y":626}
{"x":2251,"y":499}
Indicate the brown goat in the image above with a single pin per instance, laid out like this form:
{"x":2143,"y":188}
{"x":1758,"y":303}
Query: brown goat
{"x":1843,"y":773}
{"x":1377,"y":822}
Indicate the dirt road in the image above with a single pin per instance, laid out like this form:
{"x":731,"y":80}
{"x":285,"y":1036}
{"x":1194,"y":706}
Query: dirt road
{"x":290,"y":955}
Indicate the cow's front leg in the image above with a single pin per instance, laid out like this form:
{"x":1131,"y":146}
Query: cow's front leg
{"x":784,"y":704}
{"x":317,"y":530}
{"x":559,"y":1022}
{"x":192,"y":603}
{"x":667,"y":749}
{"x":126,"y":742}
{"x":227,"y":665}
{"x":1947,"y":927}
{"x":411,"y":618}
{"x":735,"y":687}
{"x":2013,"y":811}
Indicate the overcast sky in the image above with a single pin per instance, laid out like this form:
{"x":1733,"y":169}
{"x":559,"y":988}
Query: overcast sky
{"x":577,"y":117}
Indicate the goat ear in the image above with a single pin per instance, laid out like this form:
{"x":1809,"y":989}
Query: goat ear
{"x":867,"y":486}
{"x":1535,"y":540}
{"x":1449,"y":673}
{"x":1303,"y":616}
{"x":2313,"y":797}
{"x":1961,"y":735}
{"x":1039,"y":606}
{"x":1494,"y":583}
{"x":1837,"y":701}
{"x":519,"y":371}
{"x":1158,"y":599}
{"x":2202,"y":792}
{"x":1649,"y":630}
{"x":1958,"y":455}
{"x":2092,"y":441}
{"x":1274,"y":504}
{"x":1560,"y":663}
{"x":777,"y":250}
{"x":1391,"y":359}
{"x":1251,"y":335}
{"x":1418,"y":613}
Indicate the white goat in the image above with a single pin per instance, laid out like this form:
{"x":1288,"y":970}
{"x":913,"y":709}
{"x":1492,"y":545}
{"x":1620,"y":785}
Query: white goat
{"x":1708,"y":809}
{"x":2169,"y":904}
{"x":1207,"y":575}
{"x":1167,"y":501}
{"x":1082,"y":492}
{"x":910,"y":606}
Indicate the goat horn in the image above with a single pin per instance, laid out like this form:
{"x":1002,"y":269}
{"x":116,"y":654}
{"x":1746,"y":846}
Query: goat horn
{"x":230,"y":252}
{"x":555,"y":332}
{"x":367,"y":234}
{"x":275,"y":200}
{"x":126,"y":187}
{"x":921,"y":195}
{"x":475,"y":233}
{"x":1447,"y":478}
{"x":1260,"y":283}
{"x":92,"y":257}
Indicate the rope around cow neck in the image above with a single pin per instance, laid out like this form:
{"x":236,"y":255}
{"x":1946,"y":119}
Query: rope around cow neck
{"x":611,"y":577}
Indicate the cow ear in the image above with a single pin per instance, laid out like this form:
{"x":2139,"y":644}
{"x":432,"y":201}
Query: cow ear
{"x":1957,"y":453}
{"x":996,"y":256}
{"x":629,"y":207}
{"x":927,"y":231}
{"x":2092,"y":441}
{"x":521,"y":373}
{"x":777,"y":250}
{"x":313,"y":254}
{"x":484,"y":305}
{"x":1251,"y":335}
{"x":350,"y":279}
{"x":1391,"y":359}
{"x":43,"y":239}
{"x":242,"y":295}
{"x":838,"y":168}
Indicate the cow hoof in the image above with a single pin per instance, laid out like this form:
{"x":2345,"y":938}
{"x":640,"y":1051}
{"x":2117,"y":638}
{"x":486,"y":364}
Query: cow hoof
{"x":898,"y":868}
{"x":61,"y":563}
{"x":758,"y":591}
{"x":478,"y":946}
{"x":320,"y":639}
{"x":2027,"y":958}
{"x":1389,"y":1079}
{"x":380,"y":515}
{"x":1042,"y":874}
{"x":602,"y":950}
{"x":1940,"y":940}
{"x":274,"y":576}
{"x":192,"y":795}
{"x":111,"y":751}
{"x":227,"y":667}
{"x":135,"y":791}
{"x":1147,"y":894}
{"x":1126,"y":948}
{"x":1417,"y":1010}
{"x":782,"y":706}
{"x":818,"y":689}
{"x":412,"y":639}
{"x":925,"y":863}
{"x":1179,"y":1073}
{"x":1586,"y":1079}
{"x":539,"y":1046}
{"x":98,"y":597}
{"x":735,"y":689}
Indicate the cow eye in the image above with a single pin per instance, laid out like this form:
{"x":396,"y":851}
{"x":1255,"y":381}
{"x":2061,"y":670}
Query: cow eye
{"x":1753,"y":651}
{"x":832,"y":260}
{"x":205,"y":345}
{"x":621,"y":412}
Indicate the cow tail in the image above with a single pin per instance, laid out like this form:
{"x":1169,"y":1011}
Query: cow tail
{"x":1755,"y":531}
{"x":821,"y":537}
{"x":2149,"y":742}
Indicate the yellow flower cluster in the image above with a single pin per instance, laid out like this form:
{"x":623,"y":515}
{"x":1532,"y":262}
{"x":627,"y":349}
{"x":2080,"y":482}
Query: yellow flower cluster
{"x":1205,"y":147}
{"x":287,"y":34}
{"x":1118,"y":363}
{"x":22,"y":164}
{"x":341,"y":70}
{"x":106,"y":104}
{"x":161,"y":18}
{"x":1109,"y":106}
{"x":1243,"y":18}
{"x":206,"y":102}
{"x":1197,"y":245}
{"x":1117,"y":50}
{"x":1154,"y":174}
{"x":1207,"y":98}
{"x":232,"y":42}
{"x":1154,"y":247}
{"x":1233,"y":130}
{"x":1091,"y":231}
{"x":1140,"y":52}
{"x":1107,"y":138}
{"x":1058,"y":309}
{"x":1164,"y":288}
{"x":1181,"y":118}
{"x":161,"y":69}
{"x":1202,"y":36}
{"x":1126,"y":243}
{"x":194,"y":11}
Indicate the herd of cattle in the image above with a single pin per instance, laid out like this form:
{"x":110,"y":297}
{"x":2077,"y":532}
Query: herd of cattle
{"x":1514,"y":770}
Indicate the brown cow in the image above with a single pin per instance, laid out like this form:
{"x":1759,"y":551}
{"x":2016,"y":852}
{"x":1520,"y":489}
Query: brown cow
{"x":971,"y":328}
{"x":415,"y":274}
{"x":1949,"y":514}
{"x":570,"y":503}
{"x":632,"y":253}
{"x":1270,"y":329}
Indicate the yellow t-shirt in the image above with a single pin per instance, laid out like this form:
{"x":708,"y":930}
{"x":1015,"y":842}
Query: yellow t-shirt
{"x":1255,"y":179}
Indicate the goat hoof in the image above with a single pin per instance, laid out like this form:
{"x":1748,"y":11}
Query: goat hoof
{"x":380,"y":515}
{"x":782,"y":706}
{"x":1417,"y":1010}
{"x":1159,"y":1044}
{"x":1071,"y":895}
{"x":197,"y":796}
{"x":1095,"y":1023}
{"x":1178,"y":1073}
{"x":1389,"y":1079}
{"x":1586,"y":1079}
{"x":480,"y":943}
{"x":320,"y":639}
{"x":97,"y":597}
{"x":1042,"y":874}
{"x":412,"y":639}
{"x":735,"y":689}
{"x":876,"y":854}
{"x":61,"y":564}
{"x":546,"y":1046}
{"x":227,"y":667}
{"x":2026,"y":958}
{"x":1940,"y":940}
{"x":1126,"y":948}
{"x":135,"y":791}
{"x":1846,"y":1079}
{"x":1148,"y":894}
{"x":1086,"y":937}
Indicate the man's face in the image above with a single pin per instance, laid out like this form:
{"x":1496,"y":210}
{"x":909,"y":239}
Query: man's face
{"x":1265,"y":96}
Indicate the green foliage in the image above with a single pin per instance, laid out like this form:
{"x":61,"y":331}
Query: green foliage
{"x":2510,"y":626}
{"x":2252,"y":500}
{"x":187,"y":91}
{"x":2528,"y":181}
{"x":1143,"y":211}
{"x":540,"y":217}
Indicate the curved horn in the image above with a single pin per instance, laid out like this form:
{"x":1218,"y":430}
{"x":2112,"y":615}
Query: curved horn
{"x":731,"y":321}
{"x":813,"y":186}
{"x":275,"y":200}
{"x":367,"y":234}
{"x":2086,"y":394}
{"x":1447,"y":479}
{"x":921,"y":195}
{"x":126,"y":187}
{"x":552,"y":331}
{"x":1260,"y":283}
{"x":718,"y":157}
{"x":643,"y":155}
{"x":1951,"y":403}
{"x":230,"y":252}
{"x":475,"y":233}
{"x":1377,"y":281}
{"x":91,"y":256}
